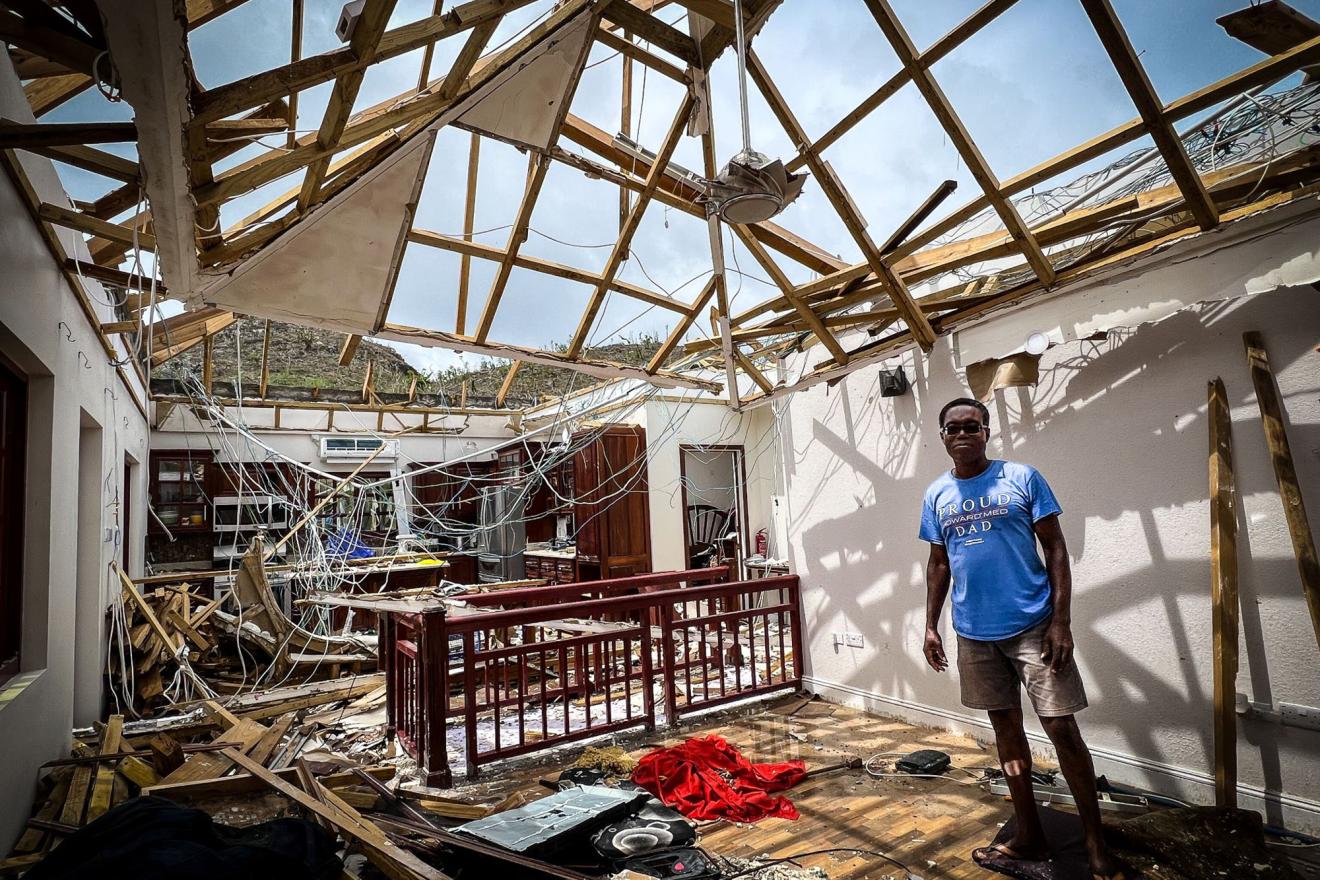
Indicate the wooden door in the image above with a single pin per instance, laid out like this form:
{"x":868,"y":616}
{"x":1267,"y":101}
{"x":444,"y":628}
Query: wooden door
{"x":626,"y":521}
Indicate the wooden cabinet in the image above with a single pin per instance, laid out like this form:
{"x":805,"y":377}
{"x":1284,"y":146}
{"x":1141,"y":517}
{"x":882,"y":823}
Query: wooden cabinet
{"x":552,"y":570}
{"x":612,"y":514}
{"x":180,"y":530}
{"x":181,"y":491}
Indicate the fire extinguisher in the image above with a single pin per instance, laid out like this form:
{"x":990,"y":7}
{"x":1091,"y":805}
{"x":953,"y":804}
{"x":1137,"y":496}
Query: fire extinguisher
{"x":762,"y":543}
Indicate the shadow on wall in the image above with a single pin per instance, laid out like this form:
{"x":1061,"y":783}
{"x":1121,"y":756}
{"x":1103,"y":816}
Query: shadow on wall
{"x":1118,"y":427}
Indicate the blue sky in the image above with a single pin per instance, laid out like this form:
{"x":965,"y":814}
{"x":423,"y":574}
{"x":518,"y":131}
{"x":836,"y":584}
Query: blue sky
{"x":1033,"y":84}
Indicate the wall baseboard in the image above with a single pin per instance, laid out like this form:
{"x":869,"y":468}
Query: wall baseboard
{"x":1184,"y":783}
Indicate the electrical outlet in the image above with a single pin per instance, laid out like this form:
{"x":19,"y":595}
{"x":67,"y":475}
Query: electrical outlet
{"x":854,"y":640}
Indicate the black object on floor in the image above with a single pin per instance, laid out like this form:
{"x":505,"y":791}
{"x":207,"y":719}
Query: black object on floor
{"x":925,"y":762}
{"x":1063,"y":835}
{"x":653,"y":827}
{"x":675,"y":864}
{"x":150,"y":838}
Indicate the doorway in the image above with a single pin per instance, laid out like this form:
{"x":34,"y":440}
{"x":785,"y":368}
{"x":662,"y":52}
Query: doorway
{"x":13,"y":443}
{"x":714,"y":482}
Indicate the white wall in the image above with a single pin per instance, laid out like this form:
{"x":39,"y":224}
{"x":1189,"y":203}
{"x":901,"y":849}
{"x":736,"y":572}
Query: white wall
{"x":71,"y":384}
{"x":1119,"y":429}
{"x":672,"y":422}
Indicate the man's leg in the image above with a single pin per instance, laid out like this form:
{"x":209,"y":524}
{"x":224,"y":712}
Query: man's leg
{"x":1015,"y":760}
{"x":1075,"y":761}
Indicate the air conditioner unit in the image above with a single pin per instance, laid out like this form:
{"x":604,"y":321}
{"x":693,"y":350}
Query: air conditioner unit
{"x":351,"y":448}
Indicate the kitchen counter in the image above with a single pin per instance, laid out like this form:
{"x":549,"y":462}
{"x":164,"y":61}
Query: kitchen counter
{"x":544,"y":552}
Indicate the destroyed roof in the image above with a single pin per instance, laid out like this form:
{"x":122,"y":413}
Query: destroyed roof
{"x":343,"y":197}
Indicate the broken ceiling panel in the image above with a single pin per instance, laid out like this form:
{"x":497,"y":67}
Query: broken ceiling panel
{"x":333,"y":269}
{"x":523,"y":105}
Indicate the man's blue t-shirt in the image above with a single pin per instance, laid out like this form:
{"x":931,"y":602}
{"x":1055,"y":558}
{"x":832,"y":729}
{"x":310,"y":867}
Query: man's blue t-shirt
{"x":1000,"y":586}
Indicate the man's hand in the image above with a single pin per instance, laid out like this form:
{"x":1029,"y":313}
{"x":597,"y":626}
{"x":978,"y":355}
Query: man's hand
{"x":934,"y":651}
{"x":1057,"y":646}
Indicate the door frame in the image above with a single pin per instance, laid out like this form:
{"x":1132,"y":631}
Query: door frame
{"x":740,"y":495}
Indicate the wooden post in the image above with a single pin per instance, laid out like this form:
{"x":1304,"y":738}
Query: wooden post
{"x":1299,"y":528}
{"x":208,"y":349}
{"x":265,"y":361}
{"x":1223,"y":592}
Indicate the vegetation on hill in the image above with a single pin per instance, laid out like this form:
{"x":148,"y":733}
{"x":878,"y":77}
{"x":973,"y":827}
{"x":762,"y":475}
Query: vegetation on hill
{"x":305,"y":358}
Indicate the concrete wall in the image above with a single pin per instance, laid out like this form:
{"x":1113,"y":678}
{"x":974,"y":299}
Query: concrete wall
{"x":1118,"y":426}
{"x":81,"y":419}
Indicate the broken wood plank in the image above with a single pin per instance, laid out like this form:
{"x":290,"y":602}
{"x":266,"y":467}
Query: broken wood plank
{"x":245,"y":783}
{"x":208,"y":765}
{"x":103,"y":785}
{"x":1290,"y":491}
{"x":1223,"y":592}
{"x":372,"y":838}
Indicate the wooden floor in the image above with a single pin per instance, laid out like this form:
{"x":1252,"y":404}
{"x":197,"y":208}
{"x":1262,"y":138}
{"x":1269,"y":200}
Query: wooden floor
{"x":930,"y":825}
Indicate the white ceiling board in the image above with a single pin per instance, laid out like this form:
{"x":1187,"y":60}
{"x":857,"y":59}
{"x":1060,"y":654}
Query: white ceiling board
{"x":523,"y":104}
{"x":332,"y":269}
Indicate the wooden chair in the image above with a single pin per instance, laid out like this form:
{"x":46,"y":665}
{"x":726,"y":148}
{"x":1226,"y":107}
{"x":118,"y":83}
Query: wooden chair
{"x":707,"y":527}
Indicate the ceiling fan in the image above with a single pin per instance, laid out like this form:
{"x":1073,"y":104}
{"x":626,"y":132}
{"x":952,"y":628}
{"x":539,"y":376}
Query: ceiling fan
{"x":752,"y":187}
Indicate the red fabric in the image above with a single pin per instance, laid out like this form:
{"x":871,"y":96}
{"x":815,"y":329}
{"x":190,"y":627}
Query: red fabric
{"x":709,"y":779}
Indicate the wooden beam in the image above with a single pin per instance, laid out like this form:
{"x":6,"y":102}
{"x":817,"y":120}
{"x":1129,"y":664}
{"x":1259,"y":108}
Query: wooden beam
{"x":946,"y":44}
{"x":90,"y":225}
{"x":844,"y":207}
{"x":1223,"y":592}
{"x":633,"y":52}
{"x":424,"y":75}
{"x":115,"y":277}
{"x":349,"y":348}
{"x":654,"y":31}
{"x":785,"y":286}
{"x":507,"y":383}
{"x":1290,"y":490}
{"x":95,"y":161}
{"x":467,"y":58}
{"x":369,"y":383}
{"x":592,"y":367}
{"x":28,"y":136}
{"x":367,"y":34}
{"x":681,"y":328}
{"x":750,"y":369}
{"x":314,"y":70}
{"x":208,"y":351}
{"x":537,"y":264}
{"x":537,"y":166}
{"x":620,"y":249}
{"x":1130,"y":70}
{"x":265,"y":360}
{"x":296,"y":15}
{"x":76,"y":54}
{"x":1262,"y":73}
{"x":961,"y":139}
{"x":469,"y":218}
{"x":678,"y":193}
{"x":625,"y":121}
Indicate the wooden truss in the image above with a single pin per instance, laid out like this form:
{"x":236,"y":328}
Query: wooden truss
{"x":61,"y":48}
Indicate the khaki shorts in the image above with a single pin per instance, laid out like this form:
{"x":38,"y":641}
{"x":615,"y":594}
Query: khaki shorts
{"x":991,"y":673}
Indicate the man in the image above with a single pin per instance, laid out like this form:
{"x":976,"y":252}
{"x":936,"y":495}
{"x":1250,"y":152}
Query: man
{"x":1011,"y":613}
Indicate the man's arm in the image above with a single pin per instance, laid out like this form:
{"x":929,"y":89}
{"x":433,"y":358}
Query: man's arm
{"x":937,"y":590}
{"x":1058,"y":643}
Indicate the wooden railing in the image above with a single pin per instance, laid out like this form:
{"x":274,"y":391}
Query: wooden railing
{"x":556,"y":664}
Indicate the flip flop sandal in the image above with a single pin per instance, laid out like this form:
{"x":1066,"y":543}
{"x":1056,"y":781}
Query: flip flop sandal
{"x":998,"y":852}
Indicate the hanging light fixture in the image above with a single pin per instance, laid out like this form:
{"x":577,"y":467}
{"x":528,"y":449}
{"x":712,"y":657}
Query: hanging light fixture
{"x":752,"y":187}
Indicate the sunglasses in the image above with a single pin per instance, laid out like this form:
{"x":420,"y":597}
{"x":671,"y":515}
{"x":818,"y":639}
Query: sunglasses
{"x":965,"y":428}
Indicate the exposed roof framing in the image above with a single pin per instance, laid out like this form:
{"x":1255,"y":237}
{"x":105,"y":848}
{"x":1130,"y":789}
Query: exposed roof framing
{"x":183,"y":129}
